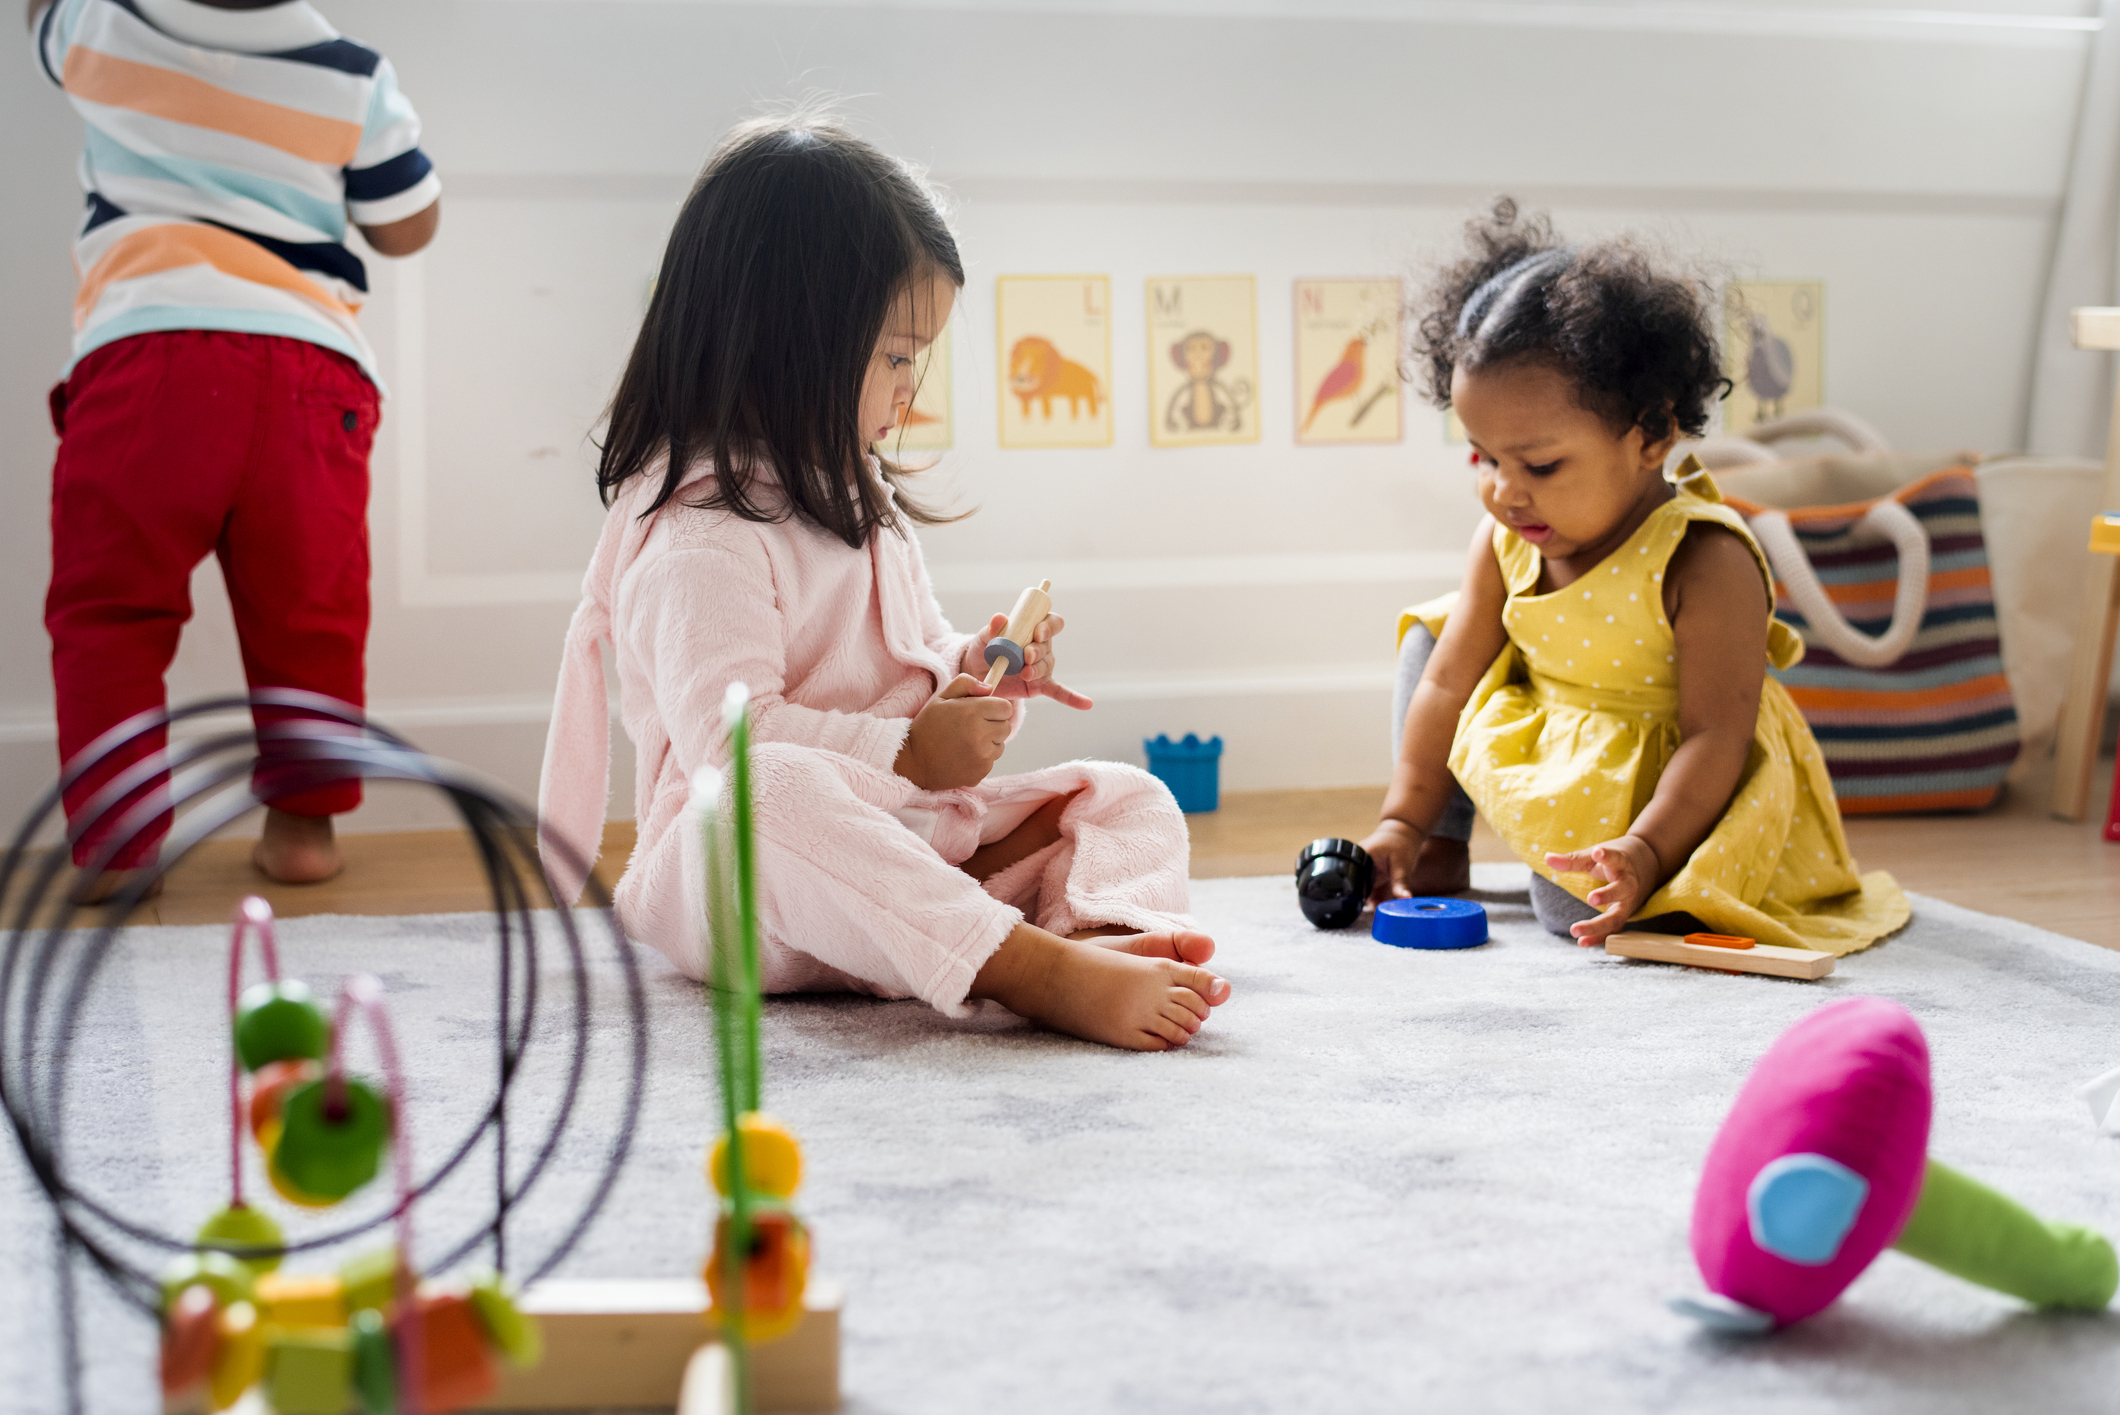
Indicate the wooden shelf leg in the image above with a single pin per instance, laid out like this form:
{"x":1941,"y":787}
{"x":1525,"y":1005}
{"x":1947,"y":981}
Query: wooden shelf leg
{"x":2083,"y":715}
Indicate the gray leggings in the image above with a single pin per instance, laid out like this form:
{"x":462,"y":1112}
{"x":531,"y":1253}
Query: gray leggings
{"x":1555,"y":907}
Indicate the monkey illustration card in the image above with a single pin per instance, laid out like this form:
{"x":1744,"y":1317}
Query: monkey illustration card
{"x":1773,"y":350}
{"x":1347,"y":362}
{"x":1056,"y":358}
{"x":1203,"y":361}
{"x":927,"y":425}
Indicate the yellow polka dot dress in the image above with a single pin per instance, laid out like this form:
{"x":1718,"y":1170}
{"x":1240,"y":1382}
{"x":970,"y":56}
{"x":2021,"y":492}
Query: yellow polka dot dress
{"x":1564,"y":740}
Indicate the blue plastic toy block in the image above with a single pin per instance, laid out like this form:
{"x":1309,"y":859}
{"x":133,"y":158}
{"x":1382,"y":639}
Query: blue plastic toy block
{"x":1192,"y":769}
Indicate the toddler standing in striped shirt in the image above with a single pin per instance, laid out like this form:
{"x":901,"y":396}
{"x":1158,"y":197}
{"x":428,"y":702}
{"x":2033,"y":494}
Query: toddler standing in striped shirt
{"x":220,"y":398}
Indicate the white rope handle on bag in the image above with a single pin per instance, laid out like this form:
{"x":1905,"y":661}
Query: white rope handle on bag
{"x":1831,"y":628}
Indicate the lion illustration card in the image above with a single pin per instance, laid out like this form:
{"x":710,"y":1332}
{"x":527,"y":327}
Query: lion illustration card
{"x":927,"y":426}
{"x":1056,"y":358}
{"x":1203,"y":361}
{"x":1347,"y":362}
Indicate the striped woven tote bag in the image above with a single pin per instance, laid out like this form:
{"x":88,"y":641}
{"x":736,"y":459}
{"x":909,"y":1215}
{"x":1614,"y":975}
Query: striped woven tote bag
{"x":1901,"y":678}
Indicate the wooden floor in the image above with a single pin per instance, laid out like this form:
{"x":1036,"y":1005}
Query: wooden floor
{"x":2014,"y":861}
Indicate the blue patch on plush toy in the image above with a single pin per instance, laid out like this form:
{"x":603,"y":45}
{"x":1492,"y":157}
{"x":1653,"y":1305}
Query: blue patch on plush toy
{"x":1802,"y":1206}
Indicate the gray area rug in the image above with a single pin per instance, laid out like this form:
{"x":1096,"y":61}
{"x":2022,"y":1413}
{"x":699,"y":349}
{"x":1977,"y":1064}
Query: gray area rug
{"x":1379,"y":1180}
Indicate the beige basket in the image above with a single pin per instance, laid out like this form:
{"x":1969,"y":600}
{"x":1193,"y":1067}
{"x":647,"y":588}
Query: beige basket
{"x":2032,"y":514}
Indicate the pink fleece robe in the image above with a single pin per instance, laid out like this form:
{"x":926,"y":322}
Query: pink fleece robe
{"x":840,"y":648}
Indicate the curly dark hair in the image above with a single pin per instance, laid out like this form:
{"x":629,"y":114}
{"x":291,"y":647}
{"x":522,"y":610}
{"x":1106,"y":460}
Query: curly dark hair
{"x":1638,"y":342}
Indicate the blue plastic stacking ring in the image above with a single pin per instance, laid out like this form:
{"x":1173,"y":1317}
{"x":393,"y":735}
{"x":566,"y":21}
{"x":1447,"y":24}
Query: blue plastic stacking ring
{"x":1430,"y":923}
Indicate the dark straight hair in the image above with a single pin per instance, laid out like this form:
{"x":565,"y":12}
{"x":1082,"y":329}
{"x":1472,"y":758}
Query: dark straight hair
{"x":775,"y":286}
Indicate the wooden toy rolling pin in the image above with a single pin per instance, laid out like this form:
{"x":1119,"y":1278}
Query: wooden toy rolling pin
{"x":1004,"y":653}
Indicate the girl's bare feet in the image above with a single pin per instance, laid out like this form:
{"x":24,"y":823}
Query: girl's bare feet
{"x":1178,"y":945}
{"x":1125,"y":993}
{"x":297,"y":849}
{"x":1442,"y":867}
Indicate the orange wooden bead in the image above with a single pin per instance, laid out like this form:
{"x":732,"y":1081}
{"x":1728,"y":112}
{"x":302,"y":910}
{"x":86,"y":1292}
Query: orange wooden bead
{"x":775,"y":1274}
{"x":455,"y":1369}
{"x":189,"y":1340}
{"x":268,"y":1091}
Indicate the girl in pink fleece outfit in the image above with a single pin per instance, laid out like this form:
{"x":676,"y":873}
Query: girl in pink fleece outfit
{"x":753,"y":537}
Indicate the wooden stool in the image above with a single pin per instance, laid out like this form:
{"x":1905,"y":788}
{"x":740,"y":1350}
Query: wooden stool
{"x":2083,"y":713}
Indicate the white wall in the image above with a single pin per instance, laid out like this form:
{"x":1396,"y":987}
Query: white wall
{"x":1912,"y":160}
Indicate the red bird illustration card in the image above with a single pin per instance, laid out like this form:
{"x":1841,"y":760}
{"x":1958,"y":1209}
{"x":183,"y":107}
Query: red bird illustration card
{"x":1347,"y":362}
{"x":1056,"y":359}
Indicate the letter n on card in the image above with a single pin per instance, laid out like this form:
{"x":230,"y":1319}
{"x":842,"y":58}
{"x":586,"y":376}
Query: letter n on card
{"x":1347,"y":362}
{"x":1056,"y":359}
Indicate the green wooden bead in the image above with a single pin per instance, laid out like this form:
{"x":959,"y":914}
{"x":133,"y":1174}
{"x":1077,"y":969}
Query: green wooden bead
{"x":279,"y":1022}
{"x":330,"y":1152}
{"x":370,"y":1279}
{"x":239,"y":1227}
{"x":374,"y":1363}
{"x":516,"y":1336}
{"x":229,"y":1280}
{"x":309,"y":1371}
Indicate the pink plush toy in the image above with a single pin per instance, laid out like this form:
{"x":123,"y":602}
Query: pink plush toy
{"x":1822,"y":1164}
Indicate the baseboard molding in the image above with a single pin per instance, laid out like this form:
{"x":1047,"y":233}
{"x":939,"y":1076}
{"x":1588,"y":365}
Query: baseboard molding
{"x":1282,"y":729}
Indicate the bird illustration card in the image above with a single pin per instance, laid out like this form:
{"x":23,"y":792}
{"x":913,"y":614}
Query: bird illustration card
{"x":1773,"y":350}
{"x":926,"y":426}
{"x":1056,"y":359}
{"x":1203,"y":360}
{"x":1347,"y":362}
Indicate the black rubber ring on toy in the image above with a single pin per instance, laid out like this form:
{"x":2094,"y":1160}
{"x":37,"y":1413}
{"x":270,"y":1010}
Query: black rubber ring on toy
{"x":330,"y":744}
{"x":998,"y":647}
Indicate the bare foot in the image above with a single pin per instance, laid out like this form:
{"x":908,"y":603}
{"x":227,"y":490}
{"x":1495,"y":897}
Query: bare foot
{"x":1102,"y":993}
{"x":297,"y":849}
{"x":1442,"y":867}
{"x":1178,"y":945}
{"x":96,"y":889}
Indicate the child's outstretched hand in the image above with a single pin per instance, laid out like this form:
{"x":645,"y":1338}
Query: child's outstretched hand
{"x":1631,"y":872}
{"x":1036,"y":679}
{"x":1393,"y":847}
{"x":956,"y":739}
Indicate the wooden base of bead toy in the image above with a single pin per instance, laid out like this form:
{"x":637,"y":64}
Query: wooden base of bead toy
{"x":625,"y":1345}
{"x":709,"y":1387}
{"x":1803,"y":964}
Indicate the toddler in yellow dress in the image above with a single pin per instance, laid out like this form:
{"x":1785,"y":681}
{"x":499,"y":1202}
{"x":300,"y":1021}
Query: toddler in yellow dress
{"x":1599,"y":687}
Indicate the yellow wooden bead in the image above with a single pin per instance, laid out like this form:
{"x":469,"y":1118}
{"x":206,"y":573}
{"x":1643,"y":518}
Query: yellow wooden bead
{"x":301,"y":1299}
{"x":772,"y":1159}
{"x":240,"y":1363}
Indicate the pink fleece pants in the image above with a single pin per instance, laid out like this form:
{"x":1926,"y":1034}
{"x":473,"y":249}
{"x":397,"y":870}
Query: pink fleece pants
{"x":859,"y":888}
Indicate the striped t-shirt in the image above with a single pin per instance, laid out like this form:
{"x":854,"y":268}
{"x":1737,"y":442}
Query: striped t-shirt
{"x":226,"y":151}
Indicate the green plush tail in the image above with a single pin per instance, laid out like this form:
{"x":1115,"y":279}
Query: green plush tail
{"x":1966,"y":1228}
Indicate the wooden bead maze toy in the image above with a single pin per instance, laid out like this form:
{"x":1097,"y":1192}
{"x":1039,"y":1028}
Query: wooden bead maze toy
{"x":247,"y":1316}
{"x":758,"y":1273}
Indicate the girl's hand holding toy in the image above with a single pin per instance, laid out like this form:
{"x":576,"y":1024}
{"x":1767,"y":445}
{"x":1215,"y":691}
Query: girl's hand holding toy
{"x":1393,"y":846}
{"x":956,"y":739}
{"x":1029,"y":631}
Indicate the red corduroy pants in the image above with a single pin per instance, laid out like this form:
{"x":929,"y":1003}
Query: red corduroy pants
{"x":174,"y":446}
